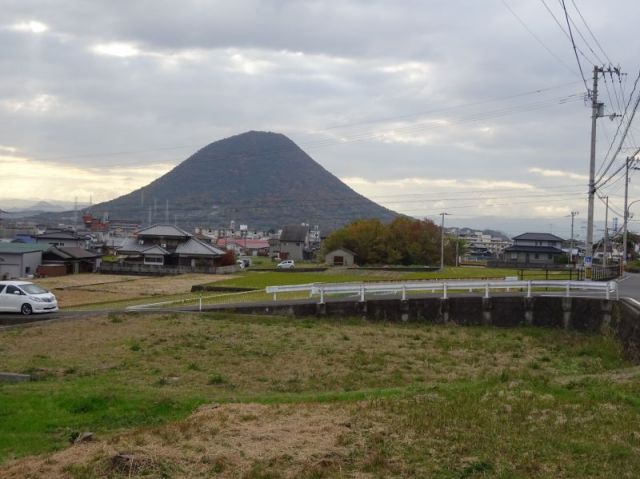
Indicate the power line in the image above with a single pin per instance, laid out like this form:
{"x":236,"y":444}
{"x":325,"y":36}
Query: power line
{"x":624,"y":134}
{"x":575,"y":49}
{"x":538,"y":38}
{"x":590,"y":32}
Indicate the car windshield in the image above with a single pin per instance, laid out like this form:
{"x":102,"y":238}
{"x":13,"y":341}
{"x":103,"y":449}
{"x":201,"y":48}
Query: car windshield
{"x":33,"y":289}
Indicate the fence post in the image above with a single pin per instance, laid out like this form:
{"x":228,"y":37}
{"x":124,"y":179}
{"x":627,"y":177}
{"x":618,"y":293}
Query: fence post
{"x":362,"y":293}
{"x":275,"y":296}
{"x":321,"y":295}
{"x":568,"y":289}
{"x":529,"y":289}
{"x":608,"y":295}
{"x":404,"y":292}
{"x":444,"y":290}
{"x":486,"y":290}
{"x":200,"y":304}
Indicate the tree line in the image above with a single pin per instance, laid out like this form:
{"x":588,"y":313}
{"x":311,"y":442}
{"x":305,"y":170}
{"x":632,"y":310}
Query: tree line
{"x":404,"y":241}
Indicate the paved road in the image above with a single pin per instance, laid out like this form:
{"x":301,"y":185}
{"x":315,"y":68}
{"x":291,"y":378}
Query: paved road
{"x":629,"y":286}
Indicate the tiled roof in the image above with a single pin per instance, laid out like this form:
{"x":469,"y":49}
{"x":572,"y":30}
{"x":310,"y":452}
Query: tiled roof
{"x":296,"y":233}
{"x":155,"y":249}
{"x":244,"y":243}
{"x":538,"y":237}
{"x":165,"y":231}
{"x":195,"y":247}
{"x":73,"y":253}
{"x":533,"y":249}
{"x":58,"y":235}
{"x":132,"y":245}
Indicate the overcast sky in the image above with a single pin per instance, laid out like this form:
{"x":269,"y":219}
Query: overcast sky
{"x":471,"y":107}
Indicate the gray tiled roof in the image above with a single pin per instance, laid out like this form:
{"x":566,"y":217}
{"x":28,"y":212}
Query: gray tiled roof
{"x":533,"y":249}
{"x":155,"y":249}
{"x":131,"y":245}
{"x":59,"y":235}
{"x":165,"y":231}
{"x":74,"y":253}
{"x":195,"y":247}
{"x":537,"y":237}
{"x":296,"y":233}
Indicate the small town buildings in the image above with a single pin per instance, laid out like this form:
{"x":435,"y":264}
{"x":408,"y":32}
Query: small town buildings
{"x":165,"y":249}
{"x":340,"y":257}
{"x":533,"y":249}
{"x":292,"y":244}
{"x":60,"y":260}
{"x":66,"y":239}
{"x":19,"y":260}
{"x":245,"y":246}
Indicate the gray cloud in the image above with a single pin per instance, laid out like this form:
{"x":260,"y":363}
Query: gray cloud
{"x":192,"y":72}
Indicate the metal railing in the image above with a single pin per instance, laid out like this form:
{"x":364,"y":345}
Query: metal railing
{"x":444,"y":287}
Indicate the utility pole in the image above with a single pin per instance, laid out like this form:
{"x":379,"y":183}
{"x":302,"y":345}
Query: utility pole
{"x":606,"y":232}
{"x":573,"y":214}
{"x":629,"y":161}
{"x":457,"y":245}
{"x":596,"y":112}
{"x":443,"y":214}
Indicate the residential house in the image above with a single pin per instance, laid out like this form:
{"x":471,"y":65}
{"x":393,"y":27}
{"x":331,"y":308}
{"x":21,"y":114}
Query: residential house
{"x":165,"y":249}
{"x":340,"y":257}
{"x":245,"y":246}
{"x":18,"y":260}
{"x":67,"y":239}
{"x":60,"y":260}
{"x":533,"y":249}
{"x":292,"y":244}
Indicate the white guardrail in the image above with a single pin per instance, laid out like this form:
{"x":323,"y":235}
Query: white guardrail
{"x":445,"y":287}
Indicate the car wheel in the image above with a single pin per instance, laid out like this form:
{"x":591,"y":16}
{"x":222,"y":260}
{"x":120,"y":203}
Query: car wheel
{"x":26,"y":309}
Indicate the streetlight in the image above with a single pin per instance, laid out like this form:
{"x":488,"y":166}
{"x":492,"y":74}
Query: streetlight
{"x":624,"y":236}
{"x":443,"y":214}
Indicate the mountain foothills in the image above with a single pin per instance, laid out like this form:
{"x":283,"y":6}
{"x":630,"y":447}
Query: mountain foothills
{"x":257,"y":178}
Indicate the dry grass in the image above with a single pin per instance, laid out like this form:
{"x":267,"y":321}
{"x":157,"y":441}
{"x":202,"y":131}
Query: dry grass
{"x":268,"y":355}
{"x":227,"y":441}
{"x":85,"y":289}
{"x":316,"y":398}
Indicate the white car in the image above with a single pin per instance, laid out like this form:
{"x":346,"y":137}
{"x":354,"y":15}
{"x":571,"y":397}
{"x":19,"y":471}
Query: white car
{"x":286,"y":264}
{"x":26,"y":298}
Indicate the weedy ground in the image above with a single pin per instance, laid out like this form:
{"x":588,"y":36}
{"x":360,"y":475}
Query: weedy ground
{"x":217,"y":395}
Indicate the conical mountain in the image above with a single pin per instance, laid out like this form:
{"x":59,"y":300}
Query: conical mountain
{"x":257,"y":178}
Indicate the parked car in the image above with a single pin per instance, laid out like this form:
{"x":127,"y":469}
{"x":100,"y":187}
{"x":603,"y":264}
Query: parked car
{"x":26,"y":298}
{"x":286,"y":264}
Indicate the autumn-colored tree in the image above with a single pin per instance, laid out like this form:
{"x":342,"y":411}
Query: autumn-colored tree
{"x":404,"y":241}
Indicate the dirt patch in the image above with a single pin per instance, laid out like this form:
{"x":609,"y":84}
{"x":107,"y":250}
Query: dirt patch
{"x":83,"y":289}
{"x":229,"y":441}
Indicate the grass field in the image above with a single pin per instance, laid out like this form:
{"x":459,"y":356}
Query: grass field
{"x":233,"y":396}
{"x":94,"y":292}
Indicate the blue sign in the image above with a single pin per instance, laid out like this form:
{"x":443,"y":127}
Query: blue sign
{"x":587,"y":261}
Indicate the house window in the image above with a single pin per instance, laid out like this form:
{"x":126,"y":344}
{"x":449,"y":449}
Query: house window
{"x":155,"y":260}
{"x":514,"y":255}
{"x":536,"y":256}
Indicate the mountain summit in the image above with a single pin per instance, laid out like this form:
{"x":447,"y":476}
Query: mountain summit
{"x":257,"y":178}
